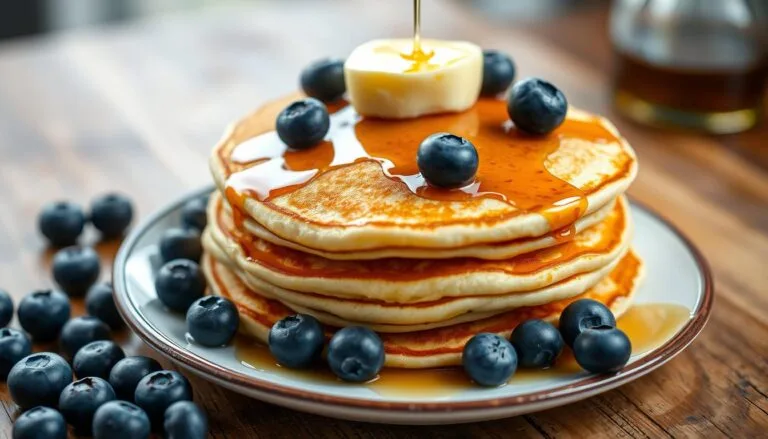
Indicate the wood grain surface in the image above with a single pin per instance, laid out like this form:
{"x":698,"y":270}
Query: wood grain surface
{"x":136,"y":109}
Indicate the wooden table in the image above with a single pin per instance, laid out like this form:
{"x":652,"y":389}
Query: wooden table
{"x":137,"y":108}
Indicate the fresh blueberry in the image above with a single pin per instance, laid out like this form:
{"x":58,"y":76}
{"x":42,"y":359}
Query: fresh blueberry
{"x":6,"y":308}
{"x":185,"y":420}
{"x":158,"y":390}
{"x":111,"y":214}
{"x":498,"y":72}
{"x":490,"y":360}
{"x":61,"y":223}
{"x":447,"y":161}
{"x":96,"y":359}
{"x":536,"y":106}
{"x":355,"y":354}
{"x":38,"y":379}
{"x":179,"y":283}
{"x":296,"y":341}
{"x":304,"y":123}
{"x":324,"y":79}
{"x":43,"y":313}
{"x":120,"y":420}
{"x":212,"y":321}
{"x":193,"y":214}
{"x":181,"y":243}
{"x":584,"y":314}
{"x":80,"y":400}
{"x":127,"y":373}
{"x":14,"y":345}
{"x":80,"y":331}
{"x":100,"y":303}
{"x":40,"y":423}
{"x":76,"y":269}
{"x":537,"y":344}
{"x":602,"y":349}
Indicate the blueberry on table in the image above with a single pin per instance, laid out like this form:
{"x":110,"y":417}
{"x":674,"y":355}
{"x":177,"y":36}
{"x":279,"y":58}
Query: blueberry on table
{"x":6,"y":308}
{"x":355,"y":354}
{"x":303,"y":123}
{"x":40,"y":423}
{"x":489,"y":359}
{"x":584,"y":314}
{"x":324,"y":79}
{"x":185,"y":420}
{"x":120,"y":420}
{"x":179,"y":283}
{"x":536,"y":106}
{"x":447,"y":161}
{"x":158,"y":390}
{"x":212,"y":321}
{"x":296,"y":341}
{"x":194,"y":215}
{"x":181,"y":243}
{"x":38,"y":379}
{"x":498,"y":72}
{"x":537,"y":344}
{"x":75,"y":269}
{"x":127,"y":373}
{"x":100,"y":303}
{"x":602,"y":349}
{"x":61,"y":223}
{"x":80,"y":331}
{"x":96,"y":359}
{"x":111,"y":214}
{"x":43,"y":313}
{"x":14,"y":345}
{"x":80,"y":400}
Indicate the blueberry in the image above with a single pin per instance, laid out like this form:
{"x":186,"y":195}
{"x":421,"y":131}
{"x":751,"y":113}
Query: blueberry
{"x":80,"y":331}
{"x":179,"y":283}
{"x":447,"y":161}
{"x":80,"y":400}
{"x":76,"y":269}
{"x":602,"y":349}
{"x":304,"y":123}
{"x":490,"y":360}
{"x":120,"y":420}
{"x":193,"y":214}
{"x":355,"y":354}
{"x":38,"y":379}
{"x":537,"y":344}
{"x":296,"y":341}
{"x":14,"y":345}
{"x":43,"y":313}
{"x":61,"y":223}
{"x":212,"y":321}
{"x":185,"y":420}
{"x":6,"y":308}
{"x":100,"y":303}
{"x":584,"y":314}
{"x":158,"y":390}
{"x":127,"y":373}
{"x":181,"y":243}
{"x":111,"y":214}
{"x":96,"y":359}
{"x":324,"y":79}
{"x":536,"y":106}
{"x":498,"y":72}
{"x":40,"y":423}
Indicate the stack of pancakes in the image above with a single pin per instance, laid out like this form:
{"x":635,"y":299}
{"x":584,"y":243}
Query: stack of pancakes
{"x":350,"y":235}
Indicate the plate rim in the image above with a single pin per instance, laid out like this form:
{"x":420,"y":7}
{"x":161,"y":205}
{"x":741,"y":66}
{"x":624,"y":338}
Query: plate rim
{"x":573,"y":391}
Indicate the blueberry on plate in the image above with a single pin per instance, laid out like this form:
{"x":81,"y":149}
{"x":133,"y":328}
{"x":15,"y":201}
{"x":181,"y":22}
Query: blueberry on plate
{"x":38,"y":379}
{"x":584,"y":314}
{"x":324,"y":79}
{"x":296,"y":341}
{"x":14,"y":345}
{"x":76,"y":269}
{"x":127,"y":373}
{"x":6,"y":308}
{"x":80,"y":331}
{"x":181,"y":243}
{"x":602,"y":349}
{"x":111,"y":214}
{"x":303,"y":123}
{"x":100,"y":303}
{"x":447,"y":161}
{"x":120,"y":420}
{"x":96,"y":359}
{"x":61,"y":223}
{"x":80,"y":400}
{"x":537,"y":344}
{"x":489,"y":359}
{"x":185,"y":420}
{"x":498,"y":72}
{"x":212,"y":321}
{"x":355,"y":354}
{"x":179,"y":283}
{"x":158,"y":390}
{"x":43,"y":313}
{"x":193,"y":214}
{"x":536,"y":106}
{"x":40,"y":423}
